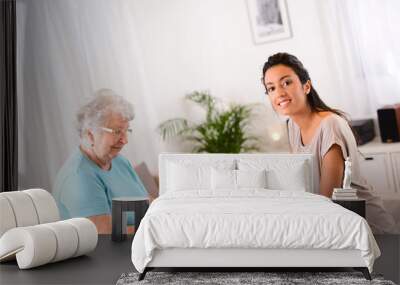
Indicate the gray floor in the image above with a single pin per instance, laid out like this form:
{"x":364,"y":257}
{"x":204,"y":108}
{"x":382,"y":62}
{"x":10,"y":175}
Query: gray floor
{"x":110,"y":260}
{"x":389,"y":262}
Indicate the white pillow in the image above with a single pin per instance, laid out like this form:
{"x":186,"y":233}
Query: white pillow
{"x":223,"y":179}
{"x":183,"y":177}
{"x":293,"y":179}
{"x":282,"y":174}
{"x":251,"y":178}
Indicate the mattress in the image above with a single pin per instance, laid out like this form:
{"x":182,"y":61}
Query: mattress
{"x":252,"y":219}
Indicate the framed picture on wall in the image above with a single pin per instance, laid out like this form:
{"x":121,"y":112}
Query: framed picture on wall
{"x":269,"y":20}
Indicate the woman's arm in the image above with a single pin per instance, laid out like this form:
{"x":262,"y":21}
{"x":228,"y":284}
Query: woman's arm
{"x":331,"y":171}
{"x":102,"y":222}
{"x":104,"y":226}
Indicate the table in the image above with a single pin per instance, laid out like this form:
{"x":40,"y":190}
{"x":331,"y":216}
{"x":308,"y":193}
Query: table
{"x":110,"y":259}
{"x":356,"y":205}
{"x":104,"y":265}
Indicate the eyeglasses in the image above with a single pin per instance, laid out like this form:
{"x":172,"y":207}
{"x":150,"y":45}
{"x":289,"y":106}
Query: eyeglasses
{"x":117,"y":133}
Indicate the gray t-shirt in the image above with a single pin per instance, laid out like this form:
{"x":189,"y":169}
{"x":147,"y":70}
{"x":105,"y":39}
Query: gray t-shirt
{"x":333,"y":129}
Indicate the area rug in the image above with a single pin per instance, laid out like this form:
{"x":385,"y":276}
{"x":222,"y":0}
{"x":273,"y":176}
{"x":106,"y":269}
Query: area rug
{"x":225,"y":278}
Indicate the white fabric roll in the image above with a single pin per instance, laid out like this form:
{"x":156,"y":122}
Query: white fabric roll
{"x":67,"y":239}
{"x":87,"y":234}
{"x":45,"y":205}
{"x":10,"y":245}
{"x":23,"y":207}
{"x":40,"y":244}
{"x":33,"y":246}
{"x":7,"y":218}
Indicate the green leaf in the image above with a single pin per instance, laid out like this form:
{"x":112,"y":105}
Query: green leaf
{"x":221,"y":132}
{"x":173,"y":127}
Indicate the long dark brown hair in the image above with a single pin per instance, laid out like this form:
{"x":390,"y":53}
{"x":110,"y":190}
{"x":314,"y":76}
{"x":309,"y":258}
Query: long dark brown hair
{"x":314,"y":101}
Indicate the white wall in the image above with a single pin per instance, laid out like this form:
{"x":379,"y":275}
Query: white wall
{"x":154,"y":52}
{"x":189,"y":45}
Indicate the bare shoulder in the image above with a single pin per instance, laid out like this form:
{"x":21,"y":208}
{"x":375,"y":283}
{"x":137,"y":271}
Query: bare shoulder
{"x":331,"y":119}
{"x":328,"y":116}
{"x":325,"y":114}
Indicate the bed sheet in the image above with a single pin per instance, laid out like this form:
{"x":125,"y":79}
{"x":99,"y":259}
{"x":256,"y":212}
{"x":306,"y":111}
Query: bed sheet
{"x":250,"y":218}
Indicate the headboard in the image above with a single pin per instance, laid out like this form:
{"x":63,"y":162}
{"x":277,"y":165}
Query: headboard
{"x":235,"y":160}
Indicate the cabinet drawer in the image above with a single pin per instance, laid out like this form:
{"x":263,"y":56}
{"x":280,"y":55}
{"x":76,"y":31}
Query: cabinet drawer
{"x":395,"y":156}
{"x":377,"y":170}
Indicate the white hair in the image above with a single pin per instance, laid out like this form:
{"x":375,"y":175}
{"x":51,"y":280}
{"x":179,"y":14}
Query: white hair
{"x":96,"y":112}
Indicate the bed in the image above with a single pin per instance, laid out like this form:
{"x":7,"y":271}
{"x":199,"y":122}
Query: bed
{"x":247,"y":210}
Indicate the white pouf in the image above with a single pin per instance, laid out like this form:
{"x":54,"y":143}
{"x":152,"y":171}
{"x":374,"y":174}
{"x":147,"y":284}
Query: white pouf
{"x":31,"y":233}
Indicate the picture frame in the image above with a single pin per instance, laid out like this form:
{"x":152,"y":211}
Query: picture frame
{"x":269,"y":20}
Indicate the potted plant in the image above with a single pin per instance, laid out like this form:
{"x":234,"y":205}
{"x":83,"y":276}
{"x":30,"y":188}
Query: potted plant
{"x":222,"y":131}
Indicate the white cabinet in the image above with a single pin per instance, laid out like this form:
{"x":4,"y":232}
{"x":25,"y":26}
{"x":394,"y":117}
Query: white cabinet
{"x":376,"y":168}
{"x":380,"y":166}
{"x":396,"y":169}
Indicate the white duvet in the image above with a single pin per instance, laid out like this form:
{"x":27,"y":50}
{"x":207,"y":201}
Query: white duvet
{"x":250,"y":219}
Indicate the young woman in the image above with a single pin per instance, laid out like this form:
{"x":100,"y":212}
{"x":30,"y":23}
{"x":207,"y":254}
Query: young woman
{"x":323,"y":131}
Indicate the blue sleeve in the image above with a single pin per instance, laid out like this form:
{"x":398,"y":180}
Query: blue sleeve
{"x":83,"y":195}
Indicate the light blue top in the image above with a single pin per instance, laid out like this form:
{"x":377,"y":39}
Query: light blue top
{"x":83,"y":189}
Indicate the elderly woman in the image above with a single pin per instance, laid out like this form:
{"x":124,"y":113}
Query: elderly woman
{"x":96,"y":172}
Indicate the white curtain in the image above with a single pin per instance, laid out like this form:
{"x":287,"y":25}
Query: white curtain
{"x":67,"y":49}
{"x":363,"y":39}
